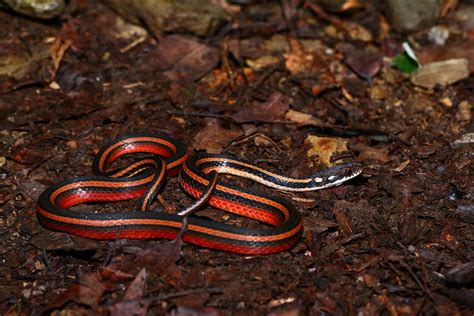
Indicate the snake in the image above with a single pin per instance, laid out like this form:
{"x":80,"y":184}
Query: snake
{"x":162,"y":156}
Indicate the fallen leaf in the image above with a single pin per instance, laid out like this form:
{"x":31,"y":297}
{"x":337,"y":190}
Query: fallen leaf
{"x":308,"y":64}
{"x":364,"y":63}
{"x":114,"y":275}
{"x":213,"y":138}
{"x":21,"y":64}
{"x":196,"y":311}
{"x":137,"y":288}
{"x":263,"y":62}
{"x":342,"y":220}
{"x":57,"y":51}
{"x":440,"y":73}
{"x":461,"y":275}
{"x":27,"y":155}
{"x":185,"y":57}
{"x":272,"y":110}
{"x":302,"y":118}
{"x":88,"y":292}
{"x":135,"y":308}
{"x":371,"y":153}
{"x":448,"y":6}
{"x":402,"y":166}
{"x":31,"y":189}
{"x":324,"y":147}
{"x":53,"y":241}
{"x":351,"y":4}
{"x":357,"y":32}
{"x":159,"y":260}
{"x":300,"y":61}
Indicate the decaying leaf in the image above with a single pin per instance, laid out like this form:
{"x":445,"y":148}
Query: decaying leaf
{"x":213,"y":138}
{"x":430,"y":54}
{"x":441,"y":73}
{"x":137,"y":288}
{"x":324,"y":147}
{"x":184,"y":57}
{"x":365,"y":63}
{"x":302,"y":118}
{"x":371,"y":153}
{"x":21,"y":64}
{"x":263,"y":62}
{"x":88,"y":291}
{"x":272,"y":110}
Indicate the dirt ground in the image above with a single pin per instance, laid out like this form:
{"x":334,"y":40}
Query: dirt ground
{"x":290,"y":92}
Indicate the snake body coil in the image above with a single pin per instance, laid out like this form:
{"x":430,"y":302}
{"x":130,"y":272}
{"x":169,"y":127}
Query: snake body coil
{"x":144,"y":178}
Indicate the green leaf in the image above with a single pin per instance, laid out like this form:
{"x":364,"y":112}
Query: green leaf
{"x":405,"y":63}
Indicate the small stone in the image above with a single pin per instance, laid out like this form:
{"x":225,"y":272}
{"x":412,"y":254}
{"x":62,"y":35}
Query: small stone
{"x":438,"y":34}
{"x":465,"y":139}
{"x":446,"y":102}
{"x":377,"y":92}
{"x":54,"y":85}
{"x":408,"y":15}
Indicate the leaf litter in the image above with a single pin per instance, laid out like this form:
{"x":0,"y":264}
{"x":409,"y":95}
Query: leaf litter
{"x":257,"y":81}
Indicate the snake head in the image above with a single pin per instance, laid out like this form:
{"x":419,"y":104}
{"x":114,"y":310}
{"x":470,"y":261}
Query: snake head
{"x":336,"y":175}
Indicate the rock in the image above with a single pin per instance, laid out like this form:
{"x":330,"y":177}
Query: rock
{"x":408,"y":15}
{"x":465,"y":140}
{"x":43,"y":9}
{"x":196,"y":17}
{"x":440,"y":73}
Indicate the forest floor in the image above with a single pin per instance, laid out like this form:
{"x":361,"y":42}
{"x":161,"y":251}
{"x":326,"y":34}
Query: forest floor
{"x":291,"y":92}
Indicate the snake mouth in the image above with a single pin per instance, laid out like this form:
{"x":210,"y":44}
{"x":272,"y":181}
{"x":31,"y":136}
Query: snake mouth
{"x":337,"y":175}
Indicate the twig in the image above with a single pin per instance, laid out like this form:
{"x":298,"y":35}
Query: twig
{"x":350,"y":132}
{"x":223,"y":116}
{"x":338,"y":24}
{"x":212,"y":290}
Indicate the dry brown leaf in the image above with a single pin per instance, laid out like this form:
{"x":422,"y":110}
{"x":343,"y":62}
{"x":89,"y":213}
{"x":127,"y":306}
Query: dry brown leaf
{"x":136,"y":289}
{"x":273,"y":109}
{"x":88,"y":292}
{"x":299,"y":61}
{"x":351,"y":4}
{"x":213,"y":138}
{"x":134,"y":307}
{"x":57,"y":51}
{"x":430,"y":54}
{"x":440,"y":73}
{"x":324,"y":147}
{"x":448,"y":6}
{"x":262,"y":62}
{"x":301,"y":118}
{"x":358,"y":32}
{"x":342,"y":221}
{"x":371,"y":153}
{"x":364,"y":63}
{"x":184,"y":57}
